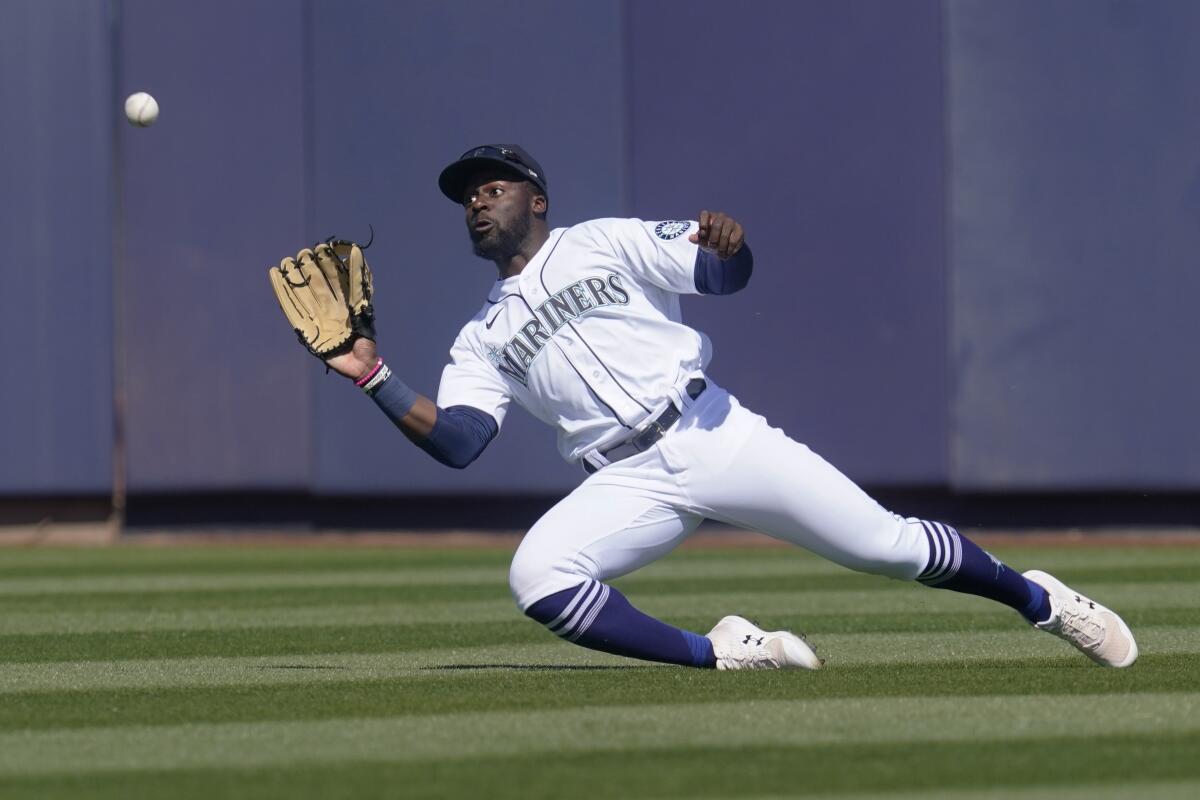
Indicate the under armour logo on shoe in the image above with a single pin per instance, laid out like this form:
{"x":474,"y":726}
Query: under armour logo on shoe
{"x":756,"y":639}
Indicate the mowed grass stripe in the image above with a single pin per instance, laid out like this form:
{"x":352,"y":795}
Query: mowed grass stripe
{"x":265,"y":641}
{"x":331,"y":662}
{"x":255,"y":598}
{"x":133,"y":558}
{"x":434,"y":592}
{"x":222,"y":581}
{"x":221,"y":596}
{"x":894,"y":770}
{"x":305,"y":575}
{"x":346,"y":693}
{"x":182,"y":562}
{"x":711,"y":725}
{"x":296,"y":667}
{"x":365,"y":637}
{"x":1108,"y":790}
{"x":230,"y":572}
{"x":291,"y":589}
{"x":917,"y":605}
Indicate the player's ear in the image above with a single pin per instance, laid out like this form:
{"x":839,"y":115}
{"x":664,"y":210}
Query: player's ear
{"x":539,"y":205}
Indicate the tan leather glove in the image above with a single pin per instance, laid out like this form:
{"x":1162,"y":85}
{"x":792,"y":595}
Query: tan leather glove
{"x":325,"y":293}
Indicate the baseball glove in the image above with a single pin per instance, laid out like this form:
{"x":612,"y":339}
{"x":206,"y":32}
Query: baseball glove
{"x":325,"y":293}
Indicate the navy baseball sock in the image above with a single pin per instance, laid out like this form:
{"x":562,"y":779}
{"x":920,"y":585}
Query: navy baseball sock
{"x":597,"y":616}
{"x":958,"y":564}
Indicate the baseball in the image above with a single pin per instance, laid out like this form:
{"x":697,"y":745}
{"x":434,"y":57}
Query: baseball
{"x":141,"y":109}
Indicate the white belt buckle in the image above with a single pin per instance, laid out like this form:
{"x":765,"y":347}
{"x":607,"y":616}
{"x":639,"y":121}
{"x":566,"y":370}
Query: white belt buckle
{"x":595,"y":458}
{"x":678,"y":393}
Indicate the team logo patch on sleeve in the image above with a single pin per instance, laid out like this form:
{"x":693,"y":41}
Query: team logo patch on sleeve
{"x":672,"y":228}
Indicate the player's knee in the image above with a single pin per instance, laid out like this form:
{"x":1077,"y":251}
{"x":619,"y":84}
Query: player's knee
{"x":912,"y":548}
{"x":897,"y":551}
{"x":535,"y":575}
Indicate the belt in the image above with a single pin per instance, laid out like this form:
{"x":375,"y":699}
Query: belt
{"x":651,"y":431}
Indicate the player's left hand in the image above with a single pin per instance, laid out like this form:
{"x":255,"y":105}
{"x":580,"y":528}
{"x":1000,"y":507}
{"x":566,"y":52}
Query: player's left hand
{"x":719,"y":233}
{"x":325,"y":293}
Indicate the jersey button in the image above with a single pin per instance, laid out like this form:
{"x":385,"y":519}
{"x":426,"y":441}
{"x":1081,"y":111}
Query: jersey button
{"x":595,"y":373}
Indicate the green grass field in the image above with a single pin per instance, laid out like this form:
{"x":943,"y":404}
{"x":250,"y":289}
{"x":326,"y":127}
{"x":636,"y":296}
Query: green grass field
{"x":356,"y":673}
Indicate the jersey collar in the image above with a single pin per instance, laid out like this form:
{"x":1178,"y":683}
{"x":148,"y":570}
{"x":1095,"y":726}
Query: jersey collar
{"x":511,"y":285}
{"x":502,"y":288}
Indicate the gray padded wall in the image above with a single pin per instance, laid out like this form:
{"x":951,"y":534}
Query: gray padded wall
{"x":819,"y":125}
{"x":214,"y":194}
{"x":1037,"y":337}
{"x":1076,"y":227}
{"x":56,"y":222}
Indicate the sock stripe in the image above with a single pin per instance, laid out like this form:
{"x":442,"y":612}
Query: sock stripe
{"x":947,"y":555}
{"x":932,"y":548}
{"x":599,"y":617}
{"x":935,"y":551}
{"x":593,"y":591}
{"x":585,"y":612}
{"x":561,"y":619}
{"x":591,"y":616}
{"x":950,"y":560}
{"x":957,"y":551}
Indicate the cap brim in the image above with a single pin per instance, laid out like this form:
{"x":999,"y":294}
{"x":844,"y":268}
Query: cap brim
{"x":453,"y":180}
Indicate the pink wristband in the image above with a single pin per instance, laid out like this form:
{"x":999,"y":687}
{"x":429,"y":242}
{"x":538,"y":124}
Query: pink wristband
{"x":365,"y":379}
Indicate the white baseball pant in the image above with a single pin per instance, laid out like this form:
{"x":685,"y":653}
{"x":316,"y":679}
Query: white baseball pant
{"x":723,"y":462}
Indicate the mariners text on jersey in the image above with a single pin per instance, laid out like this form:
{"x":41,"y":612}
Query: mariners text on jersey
{"x":571,"y":303}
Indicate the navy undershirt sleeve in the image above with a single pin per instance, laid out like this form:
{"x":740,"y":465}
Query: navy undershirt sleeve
{"x":459,"y":435}
{"x":714,"y":276}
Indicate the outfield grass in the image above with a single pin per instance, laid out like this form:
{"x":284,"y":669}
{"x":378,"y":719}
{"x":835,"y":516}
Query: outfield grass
{"x":356,"y":673}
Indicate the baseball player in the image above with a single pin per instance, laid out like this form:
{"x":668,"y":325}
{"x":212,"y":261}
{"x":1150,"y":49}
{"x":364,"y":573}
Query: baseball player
{"x":583,"y":330}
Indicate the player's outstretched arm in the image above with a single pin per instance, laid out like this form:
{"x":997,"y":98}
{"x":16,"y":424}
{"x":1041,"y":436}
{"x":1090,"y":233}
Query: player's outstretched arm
{"x":361,"y":364}
{"x":455,"y":436}
{"x":325,"y":293}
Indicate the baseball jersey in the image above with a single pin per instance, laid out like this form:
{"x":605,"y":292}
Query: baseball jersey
{"x":588,"y":337}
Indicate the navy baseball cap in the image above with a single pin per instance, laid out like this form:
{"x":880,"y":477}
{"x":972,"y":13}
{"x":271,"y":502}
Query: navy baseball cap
{"x":453,"y":180}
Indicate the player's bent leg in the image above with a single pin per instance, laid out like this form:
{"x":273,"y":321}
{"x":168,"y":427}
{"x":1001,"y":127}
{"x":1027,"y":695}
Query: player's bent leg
{"x":609,"y":526}
{"x":752,"y":475}
{"x":958,"y":564}
{"x":599,"y":617}
{"x":784,"y":489}
{"x":780,"y":487}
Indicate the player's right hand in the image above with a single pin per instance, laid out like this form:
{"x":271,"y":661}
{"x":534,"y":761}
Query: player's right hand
{"x":719,"y":233}
{"x":357,"y":362}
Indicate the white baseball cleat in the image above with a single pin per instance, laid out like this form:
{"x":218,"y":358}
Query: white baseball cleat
{"x":1097,"y":631}
{"x":740,"y":644}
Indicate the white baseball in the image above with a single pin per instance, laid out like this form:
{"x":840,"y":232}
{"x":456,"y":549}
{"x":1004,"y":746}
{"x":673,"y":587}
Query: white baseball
{"x":141,"y":109}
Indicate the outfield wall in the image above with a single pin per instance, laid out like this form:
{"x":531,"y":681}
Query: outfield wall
{"x":973,"y":225}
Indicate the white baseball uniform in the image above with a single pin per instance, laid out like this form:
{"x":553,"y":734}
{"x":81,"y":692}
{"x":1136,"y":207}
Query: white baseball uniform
{"x":589,"y":338}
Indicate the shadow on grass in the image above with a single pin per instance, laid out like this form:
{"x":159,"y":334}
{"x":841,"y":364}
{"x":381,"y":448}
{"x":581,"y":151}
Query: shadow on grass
{"x":297,"y":666}
{"x":534,"y":667}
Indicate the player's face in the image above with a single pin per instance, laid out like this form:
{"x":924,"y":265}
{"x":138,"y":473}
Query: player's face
{"x":499,"y":214}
